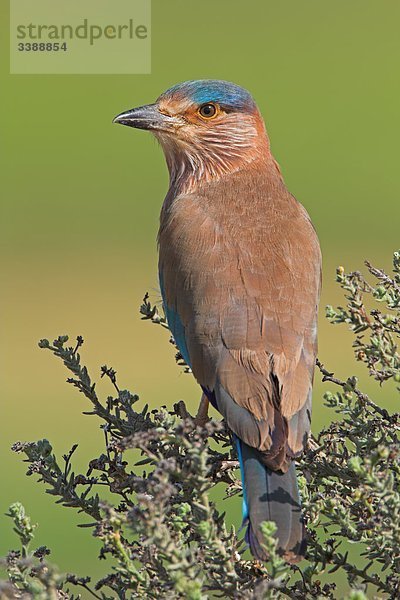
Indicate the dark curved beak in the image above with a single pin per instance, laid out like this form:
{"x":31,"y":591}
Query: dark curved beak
{"x":145,"y":117}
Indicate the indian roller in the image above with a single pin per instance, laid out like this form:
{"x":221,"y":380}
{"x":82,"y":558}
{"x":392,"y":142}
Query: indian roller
{"x":240,"y":272}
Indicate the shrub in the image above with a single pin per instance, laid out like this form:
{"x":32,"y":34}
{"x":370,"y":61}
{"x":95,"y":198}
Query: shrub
{"x":167,"y":539}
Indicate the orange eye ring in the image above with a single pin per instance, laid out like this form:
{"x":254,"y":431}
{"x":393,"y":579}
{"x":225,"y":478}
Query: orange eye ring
{"x":208,"y":111}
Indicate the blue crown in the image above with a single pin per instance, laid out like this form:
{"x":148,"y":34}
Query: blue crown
{"x":229,"y":95}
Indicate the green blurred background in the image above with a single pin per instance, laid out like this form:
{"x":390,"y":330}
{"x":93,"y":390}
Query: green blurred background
{"x":81,"y":197}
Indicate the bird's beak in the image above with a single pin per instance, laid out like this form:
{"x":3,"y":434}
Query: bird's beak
{"x":146,"y":117}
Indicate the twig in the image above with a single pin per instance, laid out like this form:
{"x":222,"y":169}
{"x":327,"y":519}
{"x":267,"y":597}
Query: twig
{"x":327,"y":376}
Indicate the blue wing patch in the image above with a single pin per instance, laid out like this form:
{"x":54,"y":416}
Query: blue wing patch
{"x":176,"y":326}
{"x":178,"y":331}
{"x":245,"y":508}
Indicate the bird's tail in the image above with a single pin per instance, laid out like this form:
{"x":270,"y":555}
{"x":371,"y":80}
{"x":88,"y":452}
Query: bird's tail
{"x":271,"y":496}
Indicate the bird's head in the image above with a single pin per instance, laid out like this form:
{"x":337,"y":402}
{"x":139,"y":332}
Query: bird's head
{"x":207,"y":128}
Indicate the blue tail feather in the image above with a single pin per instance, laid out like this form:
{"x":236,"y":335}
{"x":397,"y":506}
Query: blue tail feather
{"x":271,"y":496}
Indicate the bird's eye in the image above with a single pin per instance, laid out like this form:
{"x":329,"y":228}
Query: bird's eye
{"x":208,"y":111}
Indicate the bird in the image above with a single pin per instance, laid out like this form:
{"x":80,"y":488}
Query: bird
{"x":240,"y":278}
